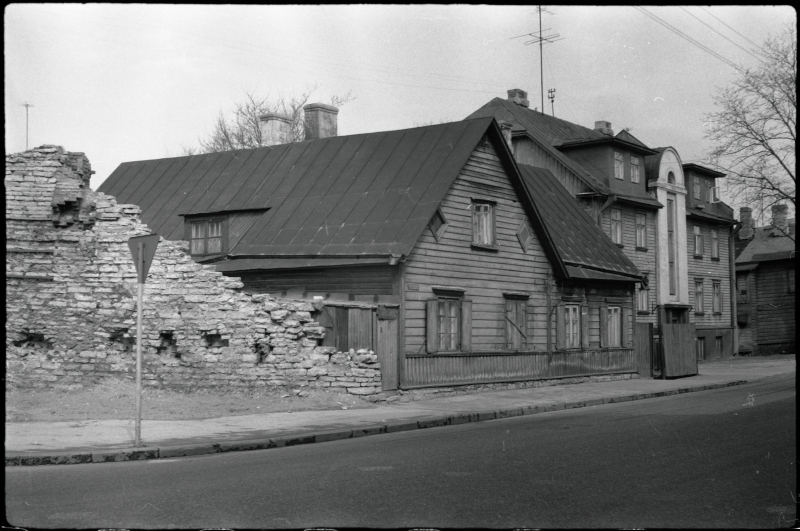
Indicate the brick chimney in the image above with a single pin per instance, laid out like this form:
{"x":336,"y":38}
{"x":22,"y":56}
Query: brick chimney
{"x":276,"y":129}
{"x":518,"y":96}
{"x":603,"y":127}
{"x":746,"y":218}
{"x":505,"y":127}
{"x":320,"y":121}
{"x":780,"y":217}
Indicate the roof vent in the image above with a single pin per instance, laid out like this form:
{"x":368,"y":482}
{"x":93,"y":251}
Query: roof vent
{"x":604,"y":127}
{"x":518,"y":96}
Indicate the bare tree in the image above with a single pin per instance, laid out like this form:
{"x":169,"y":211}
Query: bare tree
{"x":241,"y":128}
{"x":754,"y":130}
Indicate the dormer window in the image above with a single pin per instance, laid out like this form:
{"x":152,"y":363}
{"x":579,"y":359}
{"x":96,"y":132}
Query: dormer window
{"x":619,"y":168}
{"x":697,"y":192}
{"x":634,"y":169}
{"x":206,"y":235}
{"x":670,"y":178}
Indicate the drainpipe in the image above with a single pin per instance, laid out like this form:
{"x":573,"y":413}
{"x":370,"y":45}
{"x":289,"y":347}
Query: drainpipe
{"x":549,"y":315}
{"x":732,"y":261}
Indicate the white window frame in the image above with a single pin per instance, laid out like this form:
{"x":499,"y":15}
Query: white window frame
{"x":619,"y":166}
{"x":641,"y":229}
{"x":698,"y":240}
{"x":716,"y":294}
{"x":616,"y":226}
{"x":572,"y":325}
{"x":483,"y":226}
{"x":634,"y":169}
{"x":205,"y":237}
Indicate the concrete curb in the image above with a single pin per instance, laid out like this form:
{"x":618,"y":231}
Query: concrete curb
{"x":138,"y":454}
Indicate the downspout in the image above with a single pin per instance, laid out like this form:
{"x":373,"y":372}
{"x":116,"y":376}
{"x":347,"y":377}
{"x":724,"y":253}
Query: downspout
{"x":549,"y":315}
{"x":732,"y":261}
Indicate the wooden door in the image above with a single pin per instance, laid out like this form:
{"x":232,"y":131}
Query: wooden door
{"x":644,"y":349}
{"x":678,"y":345}
{"x":387,"y":347}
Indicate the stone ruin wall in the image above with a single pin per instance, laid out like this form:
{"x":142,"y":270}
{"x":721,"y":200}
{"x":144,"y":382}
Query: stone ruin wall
{"x":71,"y":300}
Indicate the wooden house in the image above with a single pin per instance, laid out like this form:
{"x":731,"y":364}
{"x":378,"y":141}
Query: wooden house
{"x":765,"y":282}
{"x":637,"y":194}
{"x":431,"y":246}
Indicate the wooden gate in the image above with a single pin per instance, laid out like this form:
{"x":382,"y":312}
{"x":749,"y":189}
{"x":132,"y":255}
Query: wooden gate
{"x":677,"y":343}
{"x":387,"y":346}
{"x":644,"y":349}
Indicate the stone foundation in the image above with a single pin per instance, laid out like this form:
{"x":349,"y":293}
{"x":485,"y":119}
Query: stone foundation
{"x":71,"y":300}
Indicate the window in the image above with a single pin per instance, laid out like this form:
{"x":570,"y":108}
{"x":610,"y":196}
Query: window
{"x":697,"y":192}
{"x":206,"y":237}
{"x":700,"y":347}
{"x":790,"y":280}
{"x":438,"y":224}
{"x":516,"y":322}
{"x":449,"y":323}
{"x":741,"y":287}
{"x":616,"y":226}
{"x":671,"y":251}
{"x":483,"y":224}
{"x":641,"y":230}
{"x":618,"y":166}
{"x":717,"y":296}
{"x":719,"y":344}
{"x":614,"y":326}
{"x":714,"y":244}
{"x":634,"y":169}
{"x":524,"y":236}
{"x":698,"y":241}
{"x":573,"y":325}
{"x":642,"y":300}
{"x":698,"y":296}
{"x":670,"y":178}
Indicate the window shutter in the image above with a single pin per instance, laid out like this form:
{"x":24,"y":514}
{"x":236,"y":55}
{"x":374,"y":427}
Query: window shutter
{"x":584,"y":326}
{"x":522,"y":322}
{"x":432,"y":330}
{"x":561,"y":328}
{"x":626,"y":316}
{"x":603,"y":326}
{"x":466,"y":325}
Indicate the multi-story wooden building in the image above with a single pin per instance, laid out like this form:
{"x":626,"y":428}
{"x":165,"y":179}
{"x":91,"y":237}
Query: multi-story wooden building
{"x":765,"y":281}
{"x":638,"y":195}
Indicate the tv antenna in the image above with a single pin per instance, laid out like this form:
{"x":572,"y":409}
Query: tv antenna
{"x":542,"y":40}
{"x":26,"y":105}
{"x":551,"y":95}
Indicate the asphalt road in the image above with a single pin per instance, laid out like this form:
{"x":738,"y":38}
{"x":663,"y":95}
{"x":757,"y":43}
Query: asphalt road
{"x":723,"y":458}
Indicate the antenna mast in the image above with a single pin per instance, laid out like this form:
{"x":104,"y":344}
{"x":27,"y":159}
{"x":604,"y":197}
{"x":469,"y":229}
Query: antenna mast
{"x":26,"y":105}
{"x":542,"y":40}
{"x":551,"y":95}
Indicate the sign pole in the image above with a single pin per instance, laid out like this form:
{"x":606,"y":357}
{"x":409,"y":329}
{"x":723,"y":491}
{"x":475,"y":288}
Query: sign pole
{"x":139,"y":303}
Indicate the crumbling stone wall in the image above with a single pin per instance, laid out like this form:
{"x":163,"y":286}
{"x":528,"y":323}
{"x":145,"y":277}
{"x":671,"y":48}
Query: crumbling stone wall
{"x":71,"y":300}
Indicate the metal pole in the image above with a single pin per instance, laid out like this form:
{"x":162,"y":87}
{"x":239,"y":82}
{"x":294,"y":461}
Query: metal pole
{"x":541,"y":60}
{"x":140,"y":269}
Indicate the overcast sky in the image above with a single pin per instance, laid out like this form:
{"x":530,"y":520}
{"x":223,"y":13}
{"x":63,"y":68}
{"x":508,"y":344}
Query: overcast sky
{"x":133,"y":82}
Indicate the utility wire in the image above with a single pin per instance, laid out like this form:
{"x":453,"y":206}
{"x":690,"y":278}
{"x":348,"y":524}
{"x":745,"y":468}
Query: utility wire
{"x":730,"y":28}
{"x":720,"y":34}
{"x":681,"y":34}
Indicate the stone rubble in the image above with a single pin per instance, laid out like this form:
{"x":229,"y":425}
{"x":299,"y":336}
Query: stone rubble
{"x":71,"y":300}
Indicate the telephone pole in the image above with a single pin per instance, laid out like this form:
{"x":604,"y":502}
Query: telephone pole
{"x":542,"y":40}
{"x":26,"y":105}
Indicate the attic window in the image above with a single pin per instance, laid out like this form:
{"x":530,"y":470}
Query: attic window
{"x":438,"y":225}
{"x":207,"y":235}
{"x":671,"y":178}
{"x":524,"y":236}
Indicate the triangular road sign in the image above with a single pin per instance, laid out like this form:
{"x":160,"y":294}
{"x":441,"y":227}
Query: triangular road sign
{"x":149,"y":244}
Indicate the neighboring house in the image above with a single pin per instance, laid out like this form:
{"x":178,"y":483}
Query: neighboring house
{"x":430,"y":246}
{"x":638,"y":195}
{"x":765,"y":281}
{"x":710,"y":226}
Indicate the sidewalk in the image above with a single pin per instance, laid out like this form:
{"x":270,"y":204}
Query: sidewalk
{"x":41,"y":443}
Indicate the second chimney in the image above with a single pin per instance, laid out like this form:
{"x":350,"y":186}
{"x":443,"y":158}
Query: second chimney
{"x":604,"y":127}
{"x":518,"y":96}
{"x":276,"y":129}
{"x":320,"y":121}
{"x":780,"y":217}
{"x":746,"y":218}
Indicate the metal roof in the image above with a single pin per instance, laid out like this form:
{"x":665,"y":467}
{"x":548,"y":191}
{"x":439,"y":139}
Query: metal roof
{"x":768,"y":244}
{"x":584,"y":248}
{"x":368,"y":194}
{"x":546,"y":131}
